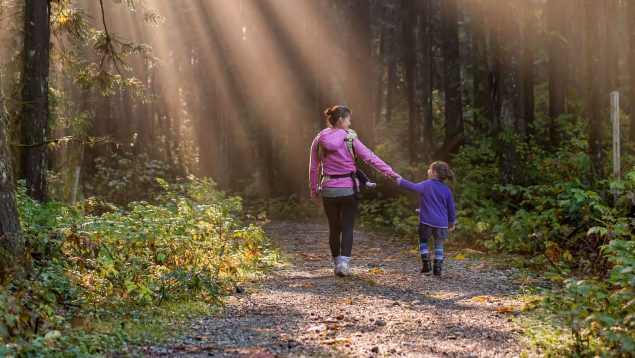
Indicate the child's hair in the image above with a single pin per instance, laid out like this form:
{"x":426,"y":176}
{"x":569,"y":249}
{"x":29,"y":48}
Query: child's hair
{"x":334,"y":113}
{"x":443,"y":171}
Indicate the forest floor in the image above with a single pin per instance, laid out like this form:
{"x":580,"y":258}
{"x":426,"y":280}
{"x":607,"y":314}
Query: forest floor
{"x":385,"y":309}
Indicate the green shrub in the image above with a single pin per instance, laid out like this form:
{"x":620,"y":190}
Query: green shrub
{"x":397,"y":215}
{"x":122,"y":178}
{"x":601,"y":313}
{"x":189,"y":244}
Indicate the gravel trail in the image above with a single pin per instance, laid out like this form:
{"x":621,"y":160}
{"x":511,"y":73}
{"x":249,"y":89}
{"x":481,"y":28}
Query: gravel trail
{"x":385,"y":309}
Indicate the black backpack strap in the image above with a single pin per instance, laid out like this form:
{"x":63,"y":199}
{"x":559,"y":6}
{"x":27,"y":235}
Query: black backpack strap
{"x":353,"y":176}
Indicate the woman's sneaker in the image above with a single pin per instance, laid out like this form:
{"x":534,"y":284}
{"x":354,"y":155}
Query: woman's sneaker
{"x":343,"y":270}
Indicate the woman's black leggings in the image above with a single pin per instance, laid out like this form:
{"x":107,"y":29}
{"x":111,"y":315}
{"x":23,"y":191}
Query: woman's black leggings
{"x":341,"y":211}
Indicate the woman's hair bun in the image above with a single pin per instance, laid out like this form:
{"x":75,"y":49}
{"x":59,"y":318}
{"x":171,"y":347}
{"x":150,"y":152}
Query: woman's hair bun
{"x":334,"y":113}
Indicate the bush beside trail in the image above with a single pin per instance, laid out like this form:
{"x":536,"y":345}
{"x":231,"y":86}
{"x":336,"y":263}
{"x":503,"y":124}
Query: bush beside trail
{"x":98,"y":262}
{"x":569,"y":233}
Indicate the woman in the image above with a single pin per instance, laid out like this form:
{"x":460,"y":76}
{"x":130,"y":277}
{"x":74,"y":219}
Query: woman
{"x":339,"y":187}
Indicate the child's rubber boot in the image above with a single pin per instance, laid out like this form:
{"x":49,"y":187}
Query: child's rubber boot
{"x":426,"y":268}
{"x":438,"y":265}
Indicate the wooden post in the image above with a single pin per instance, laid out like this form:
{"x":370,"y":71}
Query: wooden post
{"x":75,"y":185}
{"x":615,"y":119}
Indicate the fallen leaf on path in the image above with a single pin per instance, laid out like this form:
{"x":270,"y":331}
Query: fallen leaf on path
{"x":523,"y":280}
{"x":481,"y":267}
{"x":508,"y":309}
{"x":473,"y":252}
{"x":369,"y":281}
{"x":303,"y":284}
{"x":338,"y":340}
{"x":482,"y":298}
{"x":458,"y":257}
{"x":375,"y":270}
{"x":440,"y":297}
{"x":318,"y":328}
{"x":348,"y":301}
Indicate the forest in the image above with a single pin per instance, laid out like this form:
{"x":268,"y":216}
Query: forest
{"x":146,"y":146}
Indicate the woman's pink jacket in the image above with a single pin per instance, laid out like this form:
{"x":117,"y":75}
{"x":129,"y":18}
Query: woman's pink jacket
{"x":337,"y":160}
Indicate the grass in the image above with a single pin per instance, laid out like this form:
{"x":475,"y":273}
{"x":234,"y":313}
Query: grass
{"x":544,"y":335}
{"x":148,"y":326}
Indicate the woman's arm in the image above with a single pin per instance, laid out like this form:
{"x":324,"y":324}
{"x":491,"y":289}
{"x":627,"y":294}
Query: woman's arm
{"x":369,"y":157}
{"x":418,"y":187}
{"x":314,"y":169}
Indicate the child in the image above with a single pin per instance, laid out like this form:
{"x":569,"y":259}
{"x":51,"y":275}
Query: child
{"x":436,"y":213}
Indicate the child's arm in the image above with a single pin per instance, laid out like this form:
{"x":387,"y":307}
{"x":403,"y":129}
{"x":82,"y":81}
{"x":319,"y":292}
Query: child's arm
{"x":418,"y":187}
{"x":451,"y":211}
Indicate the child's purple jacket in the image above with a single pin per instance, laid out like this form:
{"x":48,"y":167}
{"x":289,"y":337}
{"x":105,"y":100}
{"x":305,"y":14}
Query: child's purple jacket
{"x":337,"y":160}
{"x":436,"y":202}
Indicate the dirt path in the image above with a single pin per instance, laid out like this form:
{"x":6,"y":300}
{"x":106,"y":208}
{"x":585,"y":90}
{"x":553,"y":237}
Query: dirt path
{"x":385,"y":309}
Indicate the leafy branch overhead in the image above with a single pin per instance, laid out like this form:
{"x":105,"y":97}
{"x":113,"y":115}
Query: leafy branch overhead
{"x":96,"y":55}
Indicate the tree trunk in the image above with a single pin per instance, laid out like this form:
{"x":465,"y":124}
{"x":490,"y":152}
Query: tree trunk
{"x":505,"y":35}
{"x":324,"y":64}
{"x":379,"y":83}
{"x":557,"y":67}
{"x":410,"y":63}
{"x":596,"y":85}
{"x":426,"y":78}
{"x":482,"y":80}
{"x":452,"y":74}
{"x":612,"y":62}
{"x":631,"y":66}
{"x":35,"y":111}
{"x":11,"y":239}
{"x":527,"y":68}
{"x":359,"y":68}
{"x":391,"y":89}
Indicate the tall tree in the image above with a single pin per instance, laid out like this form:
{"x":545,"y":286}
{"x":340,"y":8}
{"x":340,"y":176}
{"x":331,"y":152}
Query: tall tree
{"x":631,"y":65}
{"x":526,"y":67}
{"x":392,"y":75}
{"x":482,"y":79}
{"x":557,"y":67}
{"x":611,"y":42}
{"x":35,"y":109}
{"x":425,"y":76}
{"x":11,"y":239}
{"x":505,"y":35}
{"x":452,"y":75}
{"x":358,"y":89}
{"x":410,"y":64}
{"x":596,"y":85}
{"x":380,"y":71}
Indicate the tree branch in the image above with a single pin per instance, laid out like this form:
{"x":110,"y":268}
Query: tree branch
{"x":90,"y":141}
{"x":109,"y":41}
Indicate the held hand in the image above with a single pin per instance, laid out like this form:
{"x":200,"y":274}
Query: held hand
{"x":451,"y":227}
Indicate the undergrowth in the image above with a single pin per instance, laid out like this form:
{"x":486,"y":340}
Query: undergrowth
{"x":100,"y":270}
